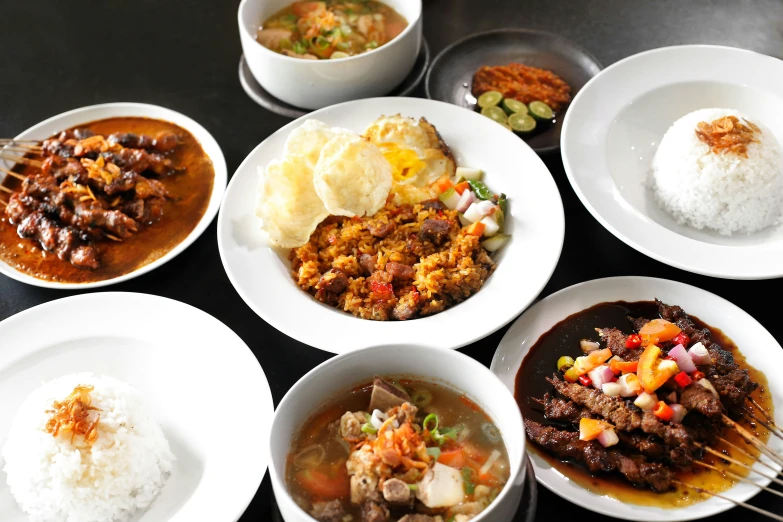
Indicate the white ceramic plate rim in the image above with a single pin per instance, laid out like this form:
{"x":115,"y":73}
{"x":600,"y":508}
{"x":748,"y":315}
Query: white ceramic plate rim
{"x":749,"y":335}
{"x":619,"y":217}
{"x":90,"y":113}
{"x":245,"y":453}
{"x":298,"y":315}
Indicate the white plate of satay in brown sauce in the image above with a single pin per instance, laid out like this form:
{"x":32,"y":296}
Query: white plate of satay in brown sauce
{"x":101,"y":194}
{"x":647,"y":399}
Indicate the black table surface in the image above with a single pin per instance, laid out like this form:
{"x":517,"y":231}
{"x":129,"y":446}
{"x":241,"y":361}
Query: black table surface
{"x":58,"y":56}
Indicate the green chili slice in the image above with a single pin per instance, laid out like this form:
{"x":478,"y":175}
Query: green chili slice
{"x":467,"y":481}
{"x":430,"y":419}
{"x":480,"y":189}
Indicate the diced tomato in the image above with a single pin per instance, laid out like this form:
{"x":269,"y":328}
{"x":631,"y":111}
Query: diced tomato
{"x":633,"y":341}
{"x":682,"y":339}
{"x":658,"y":330}
{"x":623,"y":366}
{"x":682,"y":379}
{"x":670,"y":358}
{"x":476,"y":229}
{"x":325,"y":484}
{"x":381,"y":288}
{"x":663,"y":411}
{"x":697,"y":375}
{"x":454,"y":457}
{"x":444,"y":184}
{"x":461,"y":187}
{"x":585,"y":380}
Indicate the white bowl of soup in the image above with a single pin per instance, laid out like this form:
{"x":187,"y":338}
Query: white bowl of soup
{"x":315,"y":54}
{"x":393,"y":431}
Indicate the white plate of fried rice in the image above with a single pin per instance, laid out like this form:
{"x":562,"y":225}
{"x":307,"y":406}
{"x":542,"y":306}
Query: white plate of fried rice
{"x":183,"y":413}
{"x":633,"y":157}
{"x":263,"y":276}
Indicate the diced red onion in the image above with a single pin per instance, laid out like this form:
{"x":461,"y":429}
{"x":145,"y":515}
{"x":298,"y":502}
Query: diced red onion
{"x":672,"y":397}
{"x":465,"y":200}
{"x":485,"y":208}
{"x":646,"y":401}
{"x":699,"y":354}
{"x":472,"y":214}
{"x":608,"y":437}
{"x":707,"y":384}
{"x":629,"y":385}
{"x":588,"y":346}
{"x":684,"y":360}
{"x":600,"y":376}
{"x":611,"y":388}
{"x":679,"y":413}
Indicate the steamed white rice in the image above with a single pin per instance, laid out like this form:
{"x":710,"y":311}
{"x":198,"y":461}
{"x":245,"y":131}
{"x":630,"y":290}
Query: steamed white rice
{"x":124,"y":470}
{"x":724,"y":192}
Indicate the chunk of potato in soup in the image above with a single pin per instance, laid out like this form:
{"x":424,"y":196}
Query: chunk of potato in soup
{"x":397,"y":446}
{"x":330,"y":29}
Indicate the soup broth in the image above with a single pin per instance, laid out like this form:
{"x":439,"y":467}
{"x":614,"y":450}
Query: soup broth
{"x":331,"y":29}
{"x":349,"y":460}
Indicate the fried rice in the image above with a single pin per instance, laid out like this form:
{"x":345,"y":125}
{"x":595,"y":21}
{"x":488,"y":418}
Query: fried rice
{"x":385,"y":267}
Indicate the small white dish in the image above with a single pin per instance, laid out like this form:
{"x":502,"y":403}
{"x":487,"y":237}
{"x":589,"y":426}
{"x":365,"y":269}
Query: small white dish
{"x":69,"y":119}
{"x":753,"y":340}
{"x":205,"y":388}
{"x":313,"y":84}
{"x":262,"y":275}
{"x":454,"y":369}
{"x":614,"y":126}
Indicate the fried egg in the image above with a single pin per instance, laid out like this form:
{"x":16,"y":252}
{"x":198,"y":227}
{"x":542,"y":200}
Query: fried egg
{"x":416,"y":153}
{"x":288,"y":205}
{"x":352,"y":177}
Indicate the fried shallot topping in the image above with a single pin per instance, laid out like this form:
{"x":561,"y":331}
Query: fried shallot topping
{"x":73,"y":414}
{"x":728,"y":135}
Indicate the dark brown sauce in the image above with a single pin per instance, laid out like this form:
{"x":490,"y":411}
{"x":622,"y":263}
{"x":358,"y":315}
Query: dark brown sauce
{"x":190,"y":193}
{"x":563,"y":339}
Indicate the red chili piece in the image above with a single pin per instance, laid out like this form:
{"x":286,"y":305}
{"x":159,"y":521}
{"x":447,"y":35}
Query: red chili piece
{"x":682,"y":379}
{"x":682,"y":339}
{"x":633,"y":341}
{"x":671,"y":358}
{"x":585,"y":380}
{"x":381,"y":288}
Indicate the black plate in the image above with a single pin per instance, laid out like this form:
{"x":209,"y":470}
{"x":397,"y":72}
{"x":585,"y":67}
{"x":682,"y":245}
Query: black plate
{"x":451,"y":75}
{"x":259,"y":95}
{"x":527,"y":506}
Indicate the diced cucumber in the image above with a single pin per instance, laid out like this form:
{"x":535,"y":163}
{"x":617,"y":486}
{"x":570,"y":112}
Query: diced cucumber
{"x":495,"y":243}
{"x":464,"y":221}
{"x":339,"y":54}
{"x":512,"y":106}
{"x":541,"y":111}
{"x":495,"y":113}
{"x":490,"y":226}
{"x":489,"y":99}
{"x":522,"y":123}
{"x":469,"y":174}
{"x":450,"y":198}
{"x":500,"y":218}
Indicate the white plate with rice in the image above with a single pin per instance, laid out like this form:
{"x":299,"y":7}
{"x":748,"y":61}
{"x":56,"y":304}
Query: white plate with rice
{"x":676,"y":200}
{"x":262,"y":276}
{"x":197,"y":402}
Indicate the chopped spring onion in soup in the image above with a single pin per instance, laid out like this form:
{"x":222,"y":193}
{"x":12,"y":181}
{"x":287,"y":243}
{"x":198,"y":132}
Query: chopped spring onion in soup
{"x":421,"y":397}
{"x":491,"y":432}
{"x":310,"y":457}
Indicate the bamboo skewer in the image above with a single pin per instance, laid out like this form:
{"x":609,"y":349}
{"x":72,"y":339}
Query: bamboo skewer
{"x":19,"y":148}
{"x":13,"y":174}
{"x":6,"y":189}
{"x":744,"y":452}
{"x":736,"y":477}
{"x":14,"y":140}
{"x":770,"y":428}
{"x":113,"y":238}
{"x":741,"y":464}
{"x":750,"y":438}
{"x":770,"y":420}
{"x":736,"y":502}
{"x":21,"y":159}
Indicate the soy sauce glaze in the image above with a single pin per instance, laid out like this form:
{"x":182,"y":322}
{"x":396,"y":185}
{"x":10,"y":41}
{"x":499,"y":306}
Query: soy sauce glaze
{"x":563,"y":339}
